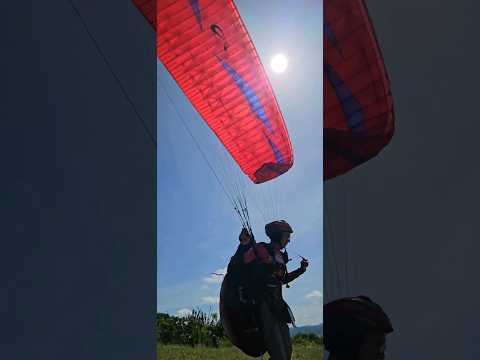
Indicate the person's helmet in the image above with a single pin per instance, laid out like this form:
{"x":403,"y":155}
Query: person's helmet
{"x":275,"y":228}
{"x":347,"y":320}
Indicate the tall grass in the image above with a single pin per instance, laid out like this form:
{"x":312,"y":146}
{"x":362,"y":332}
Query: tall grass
{"x":198,"y":328}
{"x":205,"y":330}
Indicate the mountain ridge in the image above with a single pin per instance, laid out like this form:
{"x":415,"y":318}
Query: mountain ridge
{"x":307,"y":329}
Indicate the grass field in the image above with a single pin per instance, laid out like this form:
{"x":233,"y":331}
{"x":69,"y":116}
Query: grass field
{"x":176,"y":352}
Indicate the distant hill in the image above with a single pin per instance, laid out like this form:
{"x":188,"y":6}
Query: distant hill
{"x":315,"y":329}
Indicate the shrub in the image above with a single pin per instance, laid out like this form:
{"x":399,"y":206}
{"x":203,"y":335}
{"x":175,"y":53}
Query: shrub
{"x":197,"y":328}
{"x":304,"y":339}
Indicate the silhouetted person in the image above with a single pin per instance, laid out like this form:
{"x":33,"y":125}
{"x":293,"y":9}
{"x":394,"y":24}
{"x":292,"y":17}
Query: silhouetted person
{"x":355,"y":329}
{"x":264,"y":271}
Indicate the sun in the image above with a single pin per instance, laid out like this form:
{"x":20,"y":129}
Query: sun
{"x":279,"y":63}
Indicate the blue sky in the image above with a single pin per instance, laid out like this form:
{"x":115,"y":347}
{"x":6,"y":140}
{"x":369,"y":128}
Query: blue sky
{"x":197,"y":228}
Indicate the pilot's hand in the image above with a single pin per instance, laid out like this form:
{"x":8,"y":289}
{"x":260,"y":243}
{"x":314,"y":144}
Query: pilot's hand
{"x":244,"y":237}
{"x":304,"y":264}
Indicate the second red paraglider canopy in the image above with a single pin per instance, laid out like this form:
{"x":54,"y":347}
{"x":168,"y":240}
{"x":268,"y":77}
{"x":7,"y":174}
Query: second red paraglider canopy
{"x":358,"y":104}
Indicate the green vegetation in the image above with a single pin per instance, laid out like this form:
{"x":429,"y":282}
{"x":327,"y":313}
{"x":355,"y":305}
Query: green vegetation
{"x":199,"y":336}
{"x":197,"y":328}
{"x":307,"y":339}
{"x":178,"y":352}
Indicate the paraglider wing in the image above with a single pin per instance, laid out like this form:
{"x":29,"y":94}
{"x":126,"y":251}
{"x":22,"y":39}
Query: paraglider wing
{"x":206,"y":48}
{"x":148,"y":9}
{"x":358,"y":104}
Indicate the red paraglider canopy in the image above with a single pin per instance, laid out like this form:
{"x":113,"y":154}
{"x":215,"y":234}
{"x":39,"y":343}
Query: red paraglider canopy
{"x":148,"y":9}
{"x":206,"y":48}
{"x":358,"y":104}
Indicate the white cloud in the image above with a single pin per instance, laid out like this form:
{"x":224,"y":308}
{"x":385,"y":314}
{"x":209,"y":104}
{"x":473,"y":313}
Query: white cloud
{"x":216,"y":277}
{"x":184,"y":312}
{"x":210,"y":300}
{"x":315,"y":295}
{"x":309,"y":314}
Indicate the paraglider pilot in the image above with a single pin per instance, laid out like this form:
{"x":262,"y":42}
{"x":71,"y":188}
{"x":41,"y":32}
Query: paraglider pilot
{"x":264,"y":266}
{"x":355,"y":328}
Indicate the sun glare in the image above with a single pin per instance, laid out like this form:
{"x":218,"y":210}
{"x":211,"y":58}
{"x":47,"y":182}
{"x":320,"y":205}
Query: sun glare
{"x":279,"y":63}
